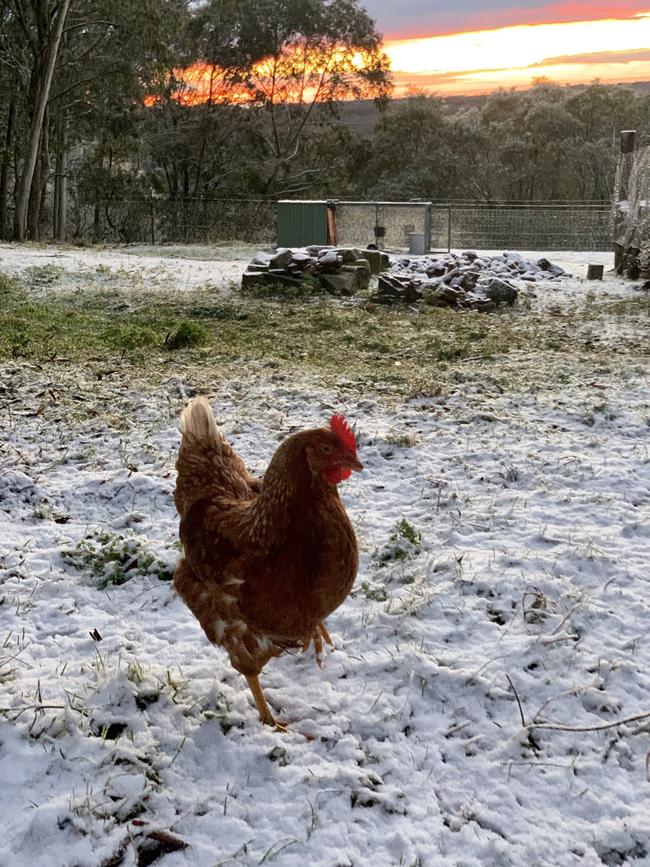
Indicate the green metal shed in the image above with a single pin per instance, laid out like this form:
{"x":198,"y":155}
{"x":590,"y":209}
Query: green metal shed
{"x":300,"y":223}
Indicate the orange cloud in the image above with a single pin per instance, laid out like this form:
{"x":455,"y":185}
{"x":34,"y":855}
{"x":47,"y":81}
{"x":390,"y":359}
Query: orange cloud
{"x":478,"y":61}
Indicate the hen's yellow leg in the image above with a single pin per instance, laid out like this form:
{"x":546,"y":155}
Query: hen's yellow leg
{"x":262,"y":707}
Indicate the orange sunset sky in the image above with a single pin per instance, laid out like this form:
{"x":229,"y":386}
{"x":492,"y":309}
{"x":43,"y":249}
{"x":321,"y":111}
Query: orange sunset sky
{"x":462,"y":48}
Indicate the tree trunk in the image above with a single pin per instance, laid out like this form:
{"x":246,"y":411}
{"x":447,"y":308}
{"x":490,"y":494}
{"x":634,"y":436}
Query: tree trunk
{"x":39,"y":184}
{"x":60,"y":203}
{"x":36,"y":126}
{"x":4,"y":169}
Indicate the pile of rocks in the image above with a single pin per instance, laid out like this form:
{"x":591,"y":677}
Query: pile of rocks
{"x":337,"y":270}
{"x":465,"y":280}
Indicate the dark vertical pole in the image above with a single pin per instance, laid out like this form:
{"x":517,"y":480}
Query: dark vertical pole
{"x":61,"y":190}
{"x":448,"y":228}
{"x":152,"y":218}
{"x":628,"y":146}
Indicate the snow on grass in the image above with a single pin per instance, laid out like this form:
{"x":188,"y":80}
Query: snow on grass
{"x":503,"y":520}
{"x":62,"y":267}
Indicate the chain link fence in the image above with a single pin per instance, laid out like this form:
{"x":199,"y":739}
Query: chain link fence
{"x":451,"y":225}
{"x":525,"y":227}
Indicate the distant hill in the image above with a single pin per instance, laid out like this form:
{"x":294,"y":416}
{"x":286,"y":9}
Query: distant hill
{"x":362,"y":115}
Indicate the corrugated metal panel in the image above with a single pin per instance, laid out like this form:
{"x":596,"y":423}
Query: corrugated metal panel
{"x":301,"y":223}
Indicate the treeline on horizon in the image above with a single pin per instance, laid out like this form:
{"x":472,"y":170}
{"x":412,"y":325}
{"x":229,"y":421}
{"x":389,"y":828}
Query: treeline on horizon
{"x":102,"y":102}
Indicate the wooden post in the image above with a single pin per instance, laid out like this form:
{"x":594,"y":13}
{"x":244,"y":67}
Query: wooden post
{"x":628,"y":147}
{"x":595,"y":272}
{"x":331,"y":223}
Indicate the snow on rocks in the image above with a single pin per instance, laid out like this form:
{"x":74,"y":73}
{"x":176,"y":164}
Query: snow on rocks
{"x":336,"y":270}
{"x":462,"y":280}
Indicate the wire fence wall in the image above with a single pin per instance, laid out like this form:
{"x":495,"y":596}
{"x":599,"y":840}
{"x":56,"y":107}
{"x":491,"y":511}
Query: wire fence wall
{"x":452,"y":225}
{"x":175,"y":221}
{"x":525,"y":227}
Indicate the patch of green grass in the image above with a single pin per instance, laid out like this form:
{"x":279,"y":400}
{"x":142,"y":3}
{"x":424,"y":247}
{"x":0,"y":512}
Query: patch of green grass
{"x":42,"y":275}
{"x":374,"y":592}
{"x":115,"y":558}
{"x":406,"y":530}
{"x":9,"y":285}
{"x":404,"y":543}
{"x":132,"y":338}
{"x":397,"y":350}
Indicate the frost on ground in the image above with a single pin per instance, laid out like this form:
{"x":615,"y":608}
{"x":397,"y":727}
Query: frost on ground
{"x":505,"y":536}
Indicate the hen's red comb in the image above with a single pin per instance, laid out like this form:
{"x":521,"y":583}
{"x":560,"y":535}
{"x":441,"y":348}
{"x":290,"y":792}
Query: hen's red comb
{"x":344,"y":433}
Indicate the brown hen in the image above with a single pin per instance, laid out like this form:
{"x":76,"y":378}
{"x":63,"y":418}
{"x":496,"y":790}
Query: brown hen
{"x":264,"y":562}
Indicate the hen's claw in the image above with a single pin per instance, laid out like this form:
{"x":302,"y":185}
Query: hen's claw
{"x":319,"y":634}
{"x":325,"y":634}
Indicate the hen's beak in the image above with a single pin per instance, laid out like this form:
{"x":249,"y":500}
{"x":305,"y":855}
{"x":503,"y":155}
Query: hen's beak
{"x":350,"y":462}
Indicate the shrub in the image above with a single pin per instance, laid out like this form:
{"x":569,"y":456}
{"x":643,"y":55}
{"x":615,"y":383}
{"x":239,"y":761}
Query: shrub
{"x":187,"y":334}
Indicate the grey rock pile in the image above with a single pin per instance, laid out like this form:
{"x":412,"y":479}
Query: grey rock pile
{"x":337,"y":270}
{"x":464,"y":281}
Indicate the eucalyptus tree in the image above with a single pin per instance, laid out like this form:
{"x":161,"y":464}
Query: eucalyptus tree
{"x":254,"y":110}
{"x":29,"y":45}
{"x":298,"y":59}
{"x":73,"y":73}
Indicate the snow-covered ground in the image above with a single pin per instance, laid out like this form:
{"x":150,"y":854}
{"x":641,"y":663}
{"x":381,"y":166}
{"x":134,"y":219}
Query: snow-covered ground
{"x":173,"y":267}
{"x":505,"y":538}
{"x":178,"y":267}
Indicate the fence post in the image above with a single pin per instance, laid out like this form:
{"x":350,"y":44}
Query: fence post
{"x":152,"y":219}
{"x":427,"y":228}
{"x":628,"y":145}
{"x":448,"y":228}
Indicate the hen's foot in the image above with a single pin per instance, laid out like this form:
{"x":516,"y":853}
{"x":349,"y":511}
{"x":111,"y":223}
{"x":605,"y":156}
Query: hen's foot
{"x":262,"y":707}
{"x":319,"y":635}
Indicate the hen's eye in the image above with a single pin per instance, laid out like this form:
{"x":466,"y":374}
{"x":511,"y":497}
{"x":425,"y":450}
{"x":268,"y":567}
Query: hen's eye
{"x":326,"y":449}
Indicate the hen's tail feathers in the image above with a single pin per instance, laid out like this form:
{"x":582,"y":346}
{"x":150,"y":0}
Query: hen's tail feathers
{"x":198,"y":423}
{"x":207,"y":465}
